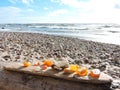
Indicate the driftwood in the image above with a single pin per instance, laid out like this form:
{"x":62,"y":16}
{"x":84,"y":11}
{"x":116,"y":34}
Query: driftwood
{"x":24,"y":79}
{"x":36,"y":70}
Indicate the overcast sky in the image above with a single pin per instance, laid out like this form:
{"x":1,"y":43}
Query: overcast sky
{"x":59,"y":11}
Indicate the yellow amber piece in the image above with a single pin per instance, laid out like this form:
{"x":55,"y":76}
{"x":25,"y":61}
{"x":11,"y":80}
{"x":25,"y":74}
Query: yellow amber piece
{"x":26,"y":64}
{"x":74,"y":68}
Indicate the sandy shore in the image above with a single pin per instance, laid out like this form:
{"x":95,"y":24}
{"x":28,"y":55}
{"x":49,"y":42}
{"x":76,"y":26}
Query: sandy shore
{"x":19,"y":47}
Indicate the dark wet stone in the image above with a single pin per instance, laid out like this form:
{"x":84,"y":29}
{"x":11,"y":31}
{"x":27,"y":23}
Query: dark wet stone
{"x":90,"y":57}
{"x":17,"y":57}
{"x":49,"y":55}
{"x":3,"y":28}
{"x":103,"y":56}
{"x":90,"y":50}
{"x":6,"y":57}
{"x":102,"y":67}
{"x":86,"y":60}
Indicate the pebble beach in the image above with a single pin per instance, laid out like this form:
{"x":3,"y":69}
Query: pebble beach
{"x":20,"y":47}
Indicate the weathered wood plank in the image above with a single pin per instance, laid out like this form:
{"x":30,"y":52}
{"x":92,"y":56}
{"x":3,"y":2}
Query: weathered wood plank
{"x":36,"y":70}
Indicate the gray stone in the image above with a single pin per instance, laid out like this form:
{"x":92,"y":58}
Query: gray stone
{"x":115,"y":84}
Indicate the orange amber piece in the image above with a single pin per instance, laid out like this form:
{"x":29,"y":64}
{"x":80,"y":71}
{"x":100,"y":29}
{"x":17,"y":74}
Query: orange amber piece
{"x":26,"y":64}
{"x":48,"y":63}
{"x":37,"y":64}
{"x":44,"y":67}
{"x":82,"y":72}
{"x":67,"y":70}
{"x":95,"y":73}
{"x":74,"y":68}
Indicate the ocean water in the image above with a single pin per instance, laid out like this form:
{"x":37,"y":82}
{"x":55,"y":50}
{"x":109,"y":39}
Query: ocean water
{"x":106,"y":33}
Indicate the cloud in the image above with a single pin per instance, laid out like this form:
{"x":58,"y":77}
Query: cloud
{"x":58,"y":12}
{"x":13,"y":1}
{"x":57,"y":1}
{"x":76,"y":11}
{"x":27,"y":2}
{"x":9,"y":11}
{"x":93,"y":10}
{"x":45,"y":8}
{"x":17,"y":15}
{"x":30,"y":10}
{"x":71,"y":3}
{"x":8,"y":14}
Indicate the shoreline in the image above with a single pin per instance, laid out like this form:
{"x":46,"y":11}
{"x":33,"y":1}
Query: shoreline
{"x":57,"y":35}
{"x":22,"y":46}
